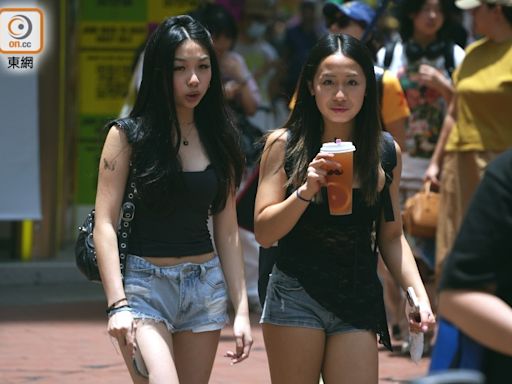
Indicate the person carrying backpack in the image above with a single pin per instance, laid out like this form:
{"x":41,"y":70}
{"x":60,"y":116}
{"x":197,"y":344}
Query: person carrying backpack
{"x":355,"y":18}
{"x":324,"y":308}
{"x":423,"y":61}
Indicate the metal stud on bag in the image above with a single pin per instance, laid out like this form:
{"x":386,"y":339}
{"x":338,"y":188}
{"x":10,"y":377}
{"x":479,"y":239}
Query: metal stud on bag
{"x":85,"y":252}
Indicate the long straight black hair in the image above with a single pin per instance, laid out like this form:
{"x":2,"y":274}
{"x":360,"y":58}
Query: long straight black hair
{"x":155,"y":153}
{"x":305,"y":124}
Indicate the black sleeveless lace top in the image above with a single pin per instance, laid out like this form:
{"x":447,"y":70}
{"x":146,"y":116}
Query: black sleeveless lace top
{"x":334,"y":260}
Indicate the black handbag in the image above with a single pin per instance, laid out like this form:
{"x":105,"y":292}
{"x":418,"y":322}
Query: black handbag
{"x":85,"y":252}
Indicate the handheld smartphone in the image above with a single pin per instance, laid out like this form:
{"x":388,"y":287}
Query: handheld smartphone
{"x":414,"y":303}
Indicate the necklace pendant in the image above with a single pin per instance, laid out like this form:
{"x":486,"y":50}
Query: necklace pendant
{"x":185,"y":142}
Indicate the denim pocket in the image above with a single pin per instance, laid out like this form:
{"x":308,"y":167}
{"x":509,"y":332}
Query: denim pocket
{"x":214,"y":277}
{"x":285,"y":282}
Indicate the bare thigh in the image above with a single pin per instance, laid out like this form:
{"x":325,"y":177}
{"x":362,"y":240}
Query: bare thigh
{"x":351,"y":358}
{"x":294,"y":354}
{"x":194,"y":355}
{"x":155,"y":343}
{"x":128,"y":360}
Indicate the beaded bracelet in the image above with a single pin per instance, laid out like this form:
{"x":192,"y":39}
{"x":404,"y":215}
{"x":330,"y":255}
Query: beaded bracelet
{"x":121,"y":308}
{"x":301,"y":198}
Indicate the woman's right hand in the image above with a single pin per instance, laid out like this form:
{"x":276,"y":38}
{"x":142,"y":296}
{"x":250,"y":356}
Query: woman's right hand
{"x":121,"y":325}
{"x":432,"y":174}
{"x":317,"y":172}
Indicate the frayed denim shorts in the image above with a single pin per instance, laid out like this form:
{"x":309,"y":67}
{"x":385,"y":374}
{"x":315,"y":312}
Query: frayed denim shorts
{"x":288,"y":304}
{"x":185,"y":297}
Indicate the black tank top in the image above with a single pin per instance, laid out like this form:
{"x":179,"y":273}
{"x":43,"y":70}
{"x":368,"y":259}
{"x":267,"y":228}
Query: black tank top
{"x":182,"y":232}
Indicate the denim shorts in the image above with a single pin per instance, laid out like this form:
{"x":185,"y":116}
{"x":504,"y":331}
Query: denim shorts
{"x":185,"y":297}
{"x":288,"y":304}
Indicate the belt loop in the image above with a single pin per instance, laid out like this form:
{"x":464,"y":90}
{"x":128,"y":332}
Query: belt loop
{"x":203,"y":272}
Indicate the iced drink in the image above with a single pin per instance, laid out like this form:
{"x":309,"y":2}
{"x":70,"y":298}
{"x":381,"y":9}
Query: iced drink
{"x":339,"y":180}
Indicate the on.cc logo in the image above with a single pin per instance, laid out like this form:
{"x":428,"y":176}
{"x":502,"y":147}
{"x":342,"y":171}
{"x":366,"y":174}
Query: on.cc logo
{"x":19,"y":27}
{"x":21,"y":30}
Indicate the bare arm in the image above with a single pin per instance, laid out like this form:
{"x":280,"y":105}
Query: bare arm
{"x":243,"y":83}
{"x":481,"y":315}
{"x":229,"y":248}
{"x":397,"y":254}
{"x":435,"y":79}
{"x":434,"y":169}
{"x":275,"y":214}
{"x":112,"y":177}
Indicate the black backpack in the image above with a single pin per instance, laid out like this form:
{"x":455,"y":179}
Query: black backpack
{"x":448,"y":53}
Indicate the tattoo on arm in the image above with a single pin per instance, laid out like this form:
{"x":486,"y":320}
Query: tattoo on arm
{"x":109,"y":165}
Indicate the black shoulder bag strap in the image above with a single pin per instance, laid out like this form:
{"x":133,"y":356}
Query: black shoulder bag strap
{"x":127,"y":215}
{"x":389,"y":50}
{"x":449,"y":60}
{"x":129,"y":126}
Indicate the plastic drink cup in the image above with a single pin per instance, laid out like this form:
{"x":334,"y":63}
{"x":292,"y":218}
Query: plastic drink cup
{"x":339,"y":180}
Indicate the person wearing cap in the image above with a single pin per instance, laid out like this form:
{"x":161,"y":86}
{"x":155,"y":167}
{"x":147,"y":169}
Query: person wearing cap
{"x":478,"y":124}
{"x":353,"y":18}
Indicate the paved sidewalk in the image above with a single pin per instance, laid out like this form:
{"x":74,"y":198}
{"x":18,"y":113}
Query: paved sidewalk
{"x":56,"y":334}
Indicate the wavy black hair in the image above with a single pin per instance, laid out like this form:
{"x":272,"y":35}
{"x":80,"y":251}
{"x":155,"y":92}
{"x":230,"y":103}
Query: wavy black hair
{"x":305,"y":124}
{"x":155,"y":152}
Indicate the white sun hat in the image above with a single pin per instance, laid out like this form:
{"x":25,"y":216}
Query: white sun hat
{"x":470,"y":4}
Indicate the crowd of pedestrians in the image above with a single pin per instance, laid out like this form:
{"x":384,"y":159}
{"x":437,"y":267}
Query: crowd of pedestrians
{"x":221,"y":134}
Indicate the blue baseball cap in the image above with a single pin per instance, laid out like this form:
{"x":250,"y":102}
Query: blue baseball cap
{"x":355,"y":10}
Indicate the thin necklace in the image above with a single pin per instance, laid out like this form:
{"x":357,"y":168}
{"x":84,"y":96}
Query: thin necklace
{"x":185,"y":140}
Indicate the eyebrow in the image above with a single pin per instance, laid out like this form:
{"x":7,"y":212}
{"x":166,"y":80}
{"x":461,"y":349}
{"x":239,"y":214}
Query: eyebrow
{"x":352,"y":74}
{"x":202,"y":58}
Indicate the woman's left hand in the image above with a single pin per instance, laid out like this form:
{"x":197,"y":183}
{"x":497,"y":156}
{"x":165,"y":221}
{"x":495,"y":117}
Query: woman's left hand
{"x":422,"y":321}
{"x":243,"y":339}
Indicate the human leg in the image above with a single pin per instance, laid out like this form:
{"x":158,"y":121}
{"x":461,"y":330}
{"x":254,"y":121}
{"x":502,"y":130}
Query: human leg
{"x":128,"y":360}
{"x":194,"y":355}
{"x":351,"y":357}
{"x":155,"y":346}
{"x":294,"y":354}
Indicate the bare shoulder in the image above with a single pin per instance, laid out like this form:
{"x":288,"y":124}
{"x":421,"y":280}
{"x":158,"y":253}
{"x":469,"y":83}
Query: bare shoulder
{"x":278,"y":136}
{"x":275,"y":147}
{"x":116,"y":149}
{"x":116,"y":135}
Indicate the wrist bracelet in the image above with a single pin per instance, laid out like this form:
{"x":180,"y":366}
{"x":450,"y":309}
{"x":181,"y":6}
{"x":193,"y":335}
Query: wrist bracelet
{"x":113,"y":305}
{"x":300,"y":197}
{"x":122,"y":308}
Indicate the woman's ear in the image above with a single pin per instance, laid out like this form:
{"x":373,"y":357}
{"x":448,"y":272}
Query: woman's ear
{"x":310,"y":87}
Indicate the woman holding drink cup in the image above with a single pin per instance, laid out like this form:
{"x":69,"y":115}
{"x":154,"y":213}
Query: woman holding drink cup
{"x":324,"y":292}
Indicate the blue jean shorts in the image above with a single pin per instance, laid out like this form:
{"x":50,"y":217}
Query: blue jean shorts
{"x":185,"y":297}
{"x":288,"y":304}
